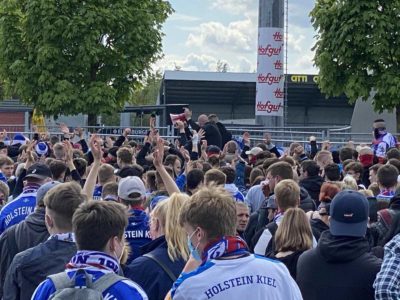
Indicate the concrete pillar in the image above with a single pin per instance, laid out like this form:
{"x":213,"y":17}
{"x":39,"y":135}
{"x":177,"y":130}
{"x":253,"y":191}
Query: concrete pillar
{"x":271,"y":13}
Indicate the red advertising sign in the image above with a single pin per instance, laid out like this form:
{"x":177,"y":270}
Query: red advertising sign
{"x":270,"y":77}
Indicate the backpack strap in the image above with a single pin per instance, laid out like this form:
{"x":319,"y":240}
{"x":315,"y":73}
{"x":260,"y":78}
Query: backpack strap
{"x":162,"y":265}
{"x":106,"y":281}
{"x":61,"y":280}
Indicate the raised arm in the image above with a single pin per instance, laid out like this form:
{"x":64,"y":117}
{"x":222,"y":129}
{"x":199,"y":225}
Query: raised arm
{"x":168,"y":181}
{"x":90,"y":183}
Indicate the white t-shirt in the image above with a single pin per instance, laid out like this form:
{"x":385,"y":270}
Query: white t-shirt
{"x":251,"y":277}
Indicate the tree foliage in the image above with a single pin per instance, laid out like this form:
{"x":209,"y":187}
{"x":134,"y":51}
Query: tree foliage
{"x":358,"y":49}
{"x":72,"y":56}
{"x":145,"y":94}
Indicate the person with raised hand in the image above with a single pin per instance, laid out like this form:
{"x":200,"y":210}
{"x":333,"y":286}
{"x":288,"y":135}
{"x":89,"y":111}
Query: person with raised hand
{"x":91,"y":179}
{"x":168,"y":181}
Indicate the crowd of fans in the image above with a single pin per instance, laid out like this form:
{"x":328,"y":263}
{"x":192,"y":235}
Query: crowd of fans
{"x":206,"y":216}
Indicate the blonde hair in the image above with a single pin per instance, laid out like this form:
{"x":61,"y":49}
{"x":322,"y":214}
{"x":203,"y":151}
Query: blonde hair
{"x":174,"y":233}
{"x":160,"y":212}
{"x":366,"y":193}
{"x":5,"y":190}
{"x":349,"y":183}
{"x":323,"y":155}
{"x":294,"y":232}
{"x":287,"y":194}
{"x":213,"y":210}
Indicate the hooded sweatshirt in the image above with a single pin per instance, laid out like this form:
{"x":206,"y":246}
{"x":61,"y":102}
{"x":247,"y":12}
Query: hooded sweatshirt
{"x":27,"y":234}
{"x":137,"y":232}
{"x":339,"y":268}
{"x":234,"y":191}
{"x":313,"y":186}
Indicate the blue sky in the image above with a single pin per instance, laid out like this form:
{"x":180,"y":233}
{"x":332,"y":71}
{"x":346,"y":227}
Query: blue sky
{"x":201,"y":32}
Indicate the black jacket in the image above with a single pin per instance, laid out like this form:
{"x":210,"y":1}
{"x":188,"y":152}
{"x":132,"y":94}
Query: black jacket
{"x":339,"y":268}
{"x":290,"y":261}
{"x":380,"y":229}
{"x":306,"y":202}
{"x":212,"y":134}
{"x":24,"y":235}
{"x":149,"y":275}
{"x":395,"y":203}
{"x":365,"y":177}
{"x":30,"y":267}
{"x":226,"y":136}
{"x":257,"y":222}
{"x":317,"y":227}
{"x":313,"y":186}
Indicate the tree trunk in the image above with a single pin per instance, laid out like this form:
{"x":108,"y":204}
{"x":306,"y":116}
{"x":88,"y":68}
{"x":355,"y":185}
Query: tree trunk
{"x":92,"y":121}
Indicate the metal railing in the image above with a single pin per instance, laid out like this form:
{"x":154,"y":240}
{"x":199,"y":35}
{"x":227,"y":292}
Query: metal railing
{"x":282,"y":136}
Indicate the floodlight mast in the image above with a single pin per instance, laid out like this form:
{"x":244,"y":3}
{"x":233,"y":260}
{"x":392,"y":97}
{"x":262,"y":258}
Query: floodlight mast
{"x":271,"y":13}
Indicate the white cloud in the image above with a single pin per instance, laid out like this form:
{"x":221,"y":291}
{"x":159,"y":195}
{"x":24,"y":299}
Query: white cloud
{"x":191,"y":62}
{"x":203,"y":62}
{"x":235,"y":7}
{"x":200,"y":46}
{"x":245,"y":65}
{"x":236,"y":36}
{"x":300,"y":40}
{"x":178,"y":17}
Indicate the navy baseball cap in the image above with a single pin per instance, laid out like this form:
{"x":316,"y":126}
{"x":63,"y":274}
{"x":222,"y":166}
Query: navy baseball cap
{"x":349,"y":214}
{"x":38,"y":170}
{"x":42,"y":191}
{"x":213,"y":150}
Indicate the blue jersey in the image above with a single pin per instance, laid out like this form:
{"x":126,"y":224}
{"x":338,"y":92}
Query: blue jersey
{"x":124,"y":289}
{"x":3,"y":178}
{"x":137,"y":232}
{"x":97,"y":192}
{"x":17,"y":210}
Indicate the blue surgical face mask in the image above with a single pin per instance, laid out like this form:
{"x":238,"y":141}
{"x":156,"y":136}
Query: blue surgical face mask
{"x":193,"y":250}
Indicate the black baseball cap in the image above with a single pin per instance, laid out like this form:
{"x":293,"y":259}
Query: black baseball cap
{"x":130,"y":171}
{"x":212,"y":150}
{"x":38,"y":170}
{"x":349,"y":214}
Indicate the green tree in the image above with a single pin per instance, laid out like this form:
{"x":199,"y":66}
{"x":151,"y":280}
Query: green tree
{"x":358,"y":49}
{"x":145,"y":94}
{"x":148,"y":93}
{"x":71,"y":56}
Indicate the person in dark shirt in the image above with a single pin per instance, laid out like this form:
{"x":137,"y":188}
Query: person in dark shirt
{"x":292,"y":238}
{"x":30,"y":267}
{"x":212,"y":133}
{"x":342,"y":263}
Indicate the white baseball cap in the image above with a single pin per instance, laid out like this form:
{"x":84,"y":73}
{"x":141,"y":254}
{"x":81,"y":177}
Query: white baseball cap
{"x":129,"y":186}
{"x":254,"y":151}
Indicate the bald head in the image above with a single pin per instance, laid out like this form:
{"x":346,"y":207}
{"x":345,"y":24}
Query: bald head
{"x":202,"y":120}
